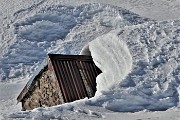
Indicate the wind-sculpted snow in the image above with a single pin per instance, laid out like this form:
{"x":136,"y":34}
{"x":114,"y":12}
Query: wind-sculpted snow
{"x":112,"y":56}
{"x":32,"y":33}
{"x":145,"y":60}
{"x":139,"y":58}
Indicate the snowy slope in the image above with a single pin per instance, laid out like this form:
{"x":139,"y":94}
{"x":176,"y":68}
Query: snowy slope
{"x":55,"y":29}
{"x":155,"y":9}
{"x":145,"y":61}
{"x":80,"y":111}
{"x":139,"y":57}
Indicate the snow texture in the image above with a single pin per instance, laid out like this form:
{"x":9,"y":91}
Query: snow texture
{"x":56,"y":29}
{"x":145,"y":61}
{"x":139,"y":57}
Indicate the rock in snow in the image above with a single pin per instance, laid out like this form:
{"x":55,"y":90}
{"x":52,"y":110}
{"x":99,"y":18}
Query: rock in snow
{"x":139,"y":57}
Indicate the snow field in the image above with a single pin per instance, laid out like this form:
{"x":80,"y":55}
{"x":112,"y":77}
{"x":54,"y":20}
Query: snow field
{"x":56,"y":29}
{"x":139,"y":58}
{"x":147,"y":62}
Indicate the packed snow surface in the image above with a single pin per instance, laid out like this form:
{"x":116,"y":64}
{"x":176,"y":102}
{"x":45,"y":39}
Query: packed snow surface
{"x":57,"y":29}
{"x":139,"y":57}
{"x":144,"y":59}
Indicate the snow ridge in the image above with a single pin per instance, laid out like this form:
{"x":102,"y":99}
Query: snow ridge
{"x":112,"y":56}
{"x":152,"y":81}
{"x":139,"y":58}
{"x":31,"y":35}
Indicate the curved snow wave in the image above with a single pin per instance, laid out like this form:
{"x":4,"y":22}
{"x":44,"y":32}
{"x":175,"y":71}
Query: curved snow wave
{"x":112,"y":56}
{"x":153,"y":81}
{"x":148,"y":53}
{"x":58,"y":29}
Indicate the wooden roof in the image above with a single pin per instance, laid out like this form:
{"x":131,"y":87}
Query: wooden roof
{"x":76,"y":75}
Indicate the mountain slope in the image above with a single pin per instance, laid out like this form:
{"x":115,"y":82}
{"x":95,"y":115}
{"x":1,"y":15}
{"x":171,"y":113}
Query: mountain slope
{"x":143,"y":64}
{"x":139,"y":57}
{"x":35,"y":32}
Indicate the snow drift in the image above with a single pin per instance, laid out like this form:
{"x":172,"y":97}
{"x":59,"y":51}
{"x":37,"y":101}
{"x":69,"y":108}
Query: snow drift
{"x":144,"y":59}
{"x":56,"y":29}
{"x":139,"y":58}
{"x":113,"y":57}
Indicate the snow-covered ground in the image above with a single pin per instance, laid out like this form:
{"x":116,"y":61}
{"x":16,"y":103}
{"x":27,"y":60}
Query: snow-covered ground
{"x":139,"y":57}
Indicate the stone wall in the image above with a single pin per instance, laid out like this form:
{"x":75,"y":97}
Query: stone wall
{"x":44,"y":92}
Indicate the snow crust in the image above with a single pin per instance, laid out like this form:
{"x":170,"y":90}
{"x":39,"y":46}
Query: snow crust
{"x":147,"y":64}
{"x":55,"y":29}
{"x":139,"y":57}
{"x":113,"y":57}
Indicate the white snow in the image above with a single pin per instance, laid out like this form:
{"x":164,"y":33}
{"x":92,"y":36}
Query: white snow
{"x":145,"y":68}
{"x":139,"y":57}
{"x":56,"y":29}
{"x":113,"y":57}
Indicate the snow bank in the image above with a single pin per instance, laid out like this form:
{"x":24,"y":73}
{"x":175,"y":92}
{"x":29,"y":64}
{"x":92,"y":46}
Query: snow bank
{"x":143,"y":64}
{"x":113,"y":57}
{"x":56,"y":29}
{"x":75,"y":110}
{"x":140,"y":63}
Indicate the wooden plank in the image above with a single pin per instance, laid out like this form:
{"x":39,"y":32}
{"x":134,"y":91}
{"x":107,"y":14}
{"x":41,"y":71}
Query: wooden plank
{"x":79,"y":80}
{"x":60,"y":79}
{"x":92,"y":76}
{"x":74,"y":80}
{"x":70,"y":81}
{"x":87,"y":72}
{"x":70,"y":57}
{"x":66,"y":83}
{"x":86,"y":81}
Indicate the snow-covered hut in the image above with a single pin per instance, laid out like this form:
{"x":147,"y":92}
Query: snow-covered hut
{"x":60,"y":79}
